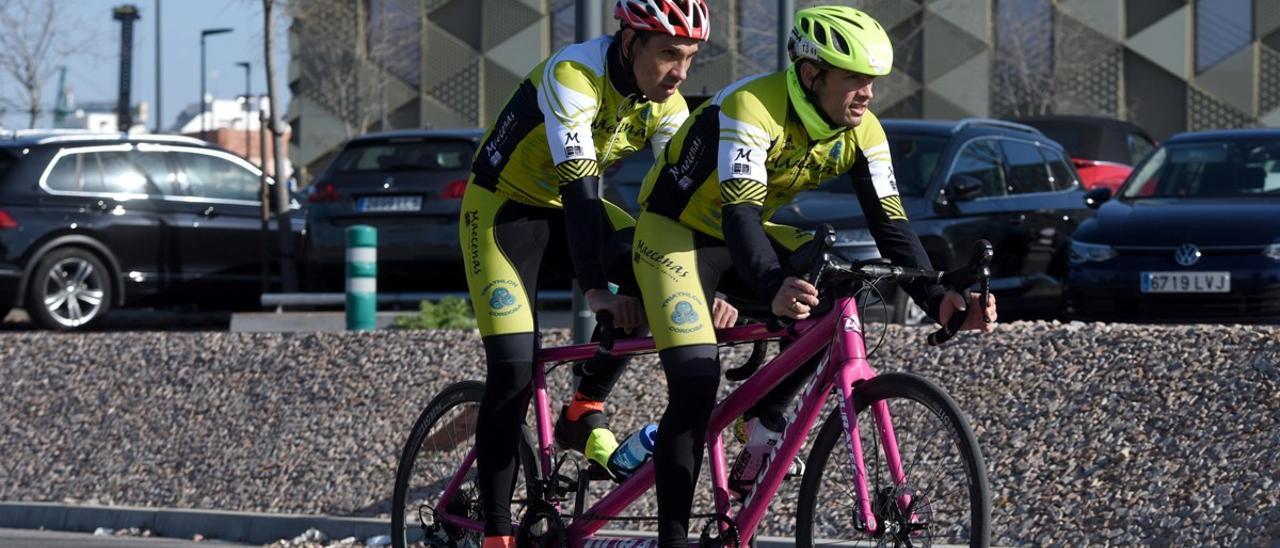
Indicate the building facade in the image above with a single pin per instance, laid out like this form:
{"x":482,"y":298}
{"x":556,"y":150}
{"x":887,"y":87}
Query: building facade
{"x":1168,"y":65}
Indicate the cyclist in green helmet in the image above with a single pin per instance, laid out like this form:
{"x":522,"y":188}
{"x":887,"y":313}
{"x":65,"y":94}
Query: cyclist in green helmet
{"x":704,"y":225}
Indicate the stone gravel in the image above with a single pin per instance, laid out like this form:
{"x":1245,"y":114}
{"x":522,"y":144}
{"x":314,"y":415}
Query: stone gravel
{"x":1094,"y":434}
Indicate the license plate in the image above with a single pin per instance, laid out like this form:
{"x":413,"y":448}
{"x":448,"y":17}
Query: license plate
{"x":1186,"y":282}
{"x":370,"y":204}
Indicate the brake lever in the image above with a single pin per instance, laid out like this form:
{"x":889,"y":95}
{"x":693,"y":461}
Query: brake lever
{"x":979,"y":271}
{"x":748,"y":368}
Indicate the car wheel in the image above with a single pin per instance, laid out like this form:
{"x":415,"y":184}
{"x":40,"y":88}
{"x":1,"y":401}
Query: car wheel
{"x":906,"y":311}
{"x":69,"y":289}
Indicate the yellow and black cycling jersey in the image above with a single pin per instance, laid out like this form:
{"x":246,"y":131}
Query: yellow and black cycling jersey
{"x":740,"y":157}
{"x":568,"y":120}
{"x":746,"y":146}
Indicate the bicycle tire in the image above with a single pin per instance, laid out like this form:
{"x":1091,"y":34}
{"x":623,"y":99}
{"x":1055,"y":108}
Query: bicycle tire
{"x":901,"y":388}
{"x":466,"y":395}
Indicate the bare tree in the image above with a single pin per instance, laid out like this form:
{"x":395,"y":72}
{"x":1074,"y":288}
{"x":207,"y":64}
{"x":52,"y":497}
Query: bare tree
{"x":34,"y":40}
{"x":1045,"y":63}
{"x":284,"y":225}
{"x":1022,"y":71}
{"x":343,"y":59}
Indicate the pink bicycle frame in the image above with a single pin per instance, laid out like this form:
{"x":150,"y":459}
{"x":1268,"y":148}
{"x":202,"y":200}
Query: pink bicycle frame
{"x":843,"y":368}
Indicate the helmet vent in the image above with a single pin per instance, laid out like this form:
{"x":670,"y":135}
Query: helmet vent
{"x":804,"y":24}
{"x":638,"y":11}
{"x":838,"y":41}
{"x":820,"y":33}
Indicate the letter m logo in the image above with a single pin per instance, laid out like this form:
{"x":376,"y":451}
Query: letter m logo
{"x":742,"y":154}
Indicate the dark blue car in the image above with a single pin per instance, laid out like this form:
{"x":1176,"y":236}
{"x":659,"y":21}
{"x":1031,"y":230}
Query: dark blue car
{"x":962,"y":181}
{"x":1194,"y":234}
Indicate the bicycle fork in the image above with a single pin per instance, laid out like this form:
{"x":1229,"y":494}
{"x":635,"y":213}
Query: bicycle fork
{"x":846,"y":378}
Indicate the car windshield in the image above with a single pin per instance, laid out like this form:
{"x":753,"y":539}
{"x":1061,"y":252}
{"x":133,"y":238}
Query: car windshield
{"x":915,"y":157}
{"x":1225,"y":169}
{"x":405,"y":155}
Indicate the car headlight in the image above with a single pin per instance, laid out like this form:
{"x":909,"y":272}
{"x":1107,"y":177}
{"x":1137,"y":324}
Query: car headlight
{"x":1085,"y":253}
{"x":1272,"y":251}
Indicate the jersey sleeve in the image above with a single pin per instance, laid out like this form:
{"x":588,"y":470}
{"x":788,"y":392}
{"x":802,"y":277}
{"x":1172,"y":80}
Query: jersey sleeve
{"x":747,"y":132}
{"x":569,"y":98}
{"x":877,"y":192}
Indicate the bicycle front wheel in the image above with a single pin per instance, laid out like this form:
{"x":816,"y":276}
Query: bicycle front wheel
{"x":432,"y":459}
{"x":944,"y":499}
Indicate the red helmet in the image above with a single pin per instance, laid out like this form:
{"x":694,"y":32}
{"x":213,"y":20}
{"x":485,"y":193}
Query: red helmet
{"x":686,"y":18}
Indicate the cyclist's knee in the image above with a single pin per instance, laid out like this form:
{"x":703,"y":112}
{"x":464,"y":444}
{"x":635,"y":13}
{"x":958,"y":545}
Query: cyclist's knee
{"x":509,"y":363}
{"x":693,"y":375}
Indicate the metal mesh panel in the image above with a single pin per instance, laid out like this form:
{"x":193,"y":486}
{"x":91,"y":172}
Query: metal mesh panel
{"x":1269,"y":86}
{"x":1204,"y":112}
{"x":447,"y":55}
{"x":505,"y":18}
{"x":757,"y":37}
{"x":563,"y":19}
{"x":1087,"y":71}
{"x":461,"y":92}
{"x":394,"y":41}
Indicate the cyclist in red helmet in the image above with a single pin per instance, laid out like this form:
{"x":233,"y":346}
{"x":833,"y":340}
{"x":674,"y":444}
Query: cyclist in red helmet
{"x":533,"y":202}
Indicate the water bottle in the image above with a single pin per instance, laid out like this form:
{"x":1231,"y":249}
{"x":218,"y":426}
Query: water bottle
{"x":633,"y":452}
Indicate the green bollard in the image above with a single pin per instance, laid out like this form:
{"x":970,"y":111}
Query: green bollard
{"x":362,"y":278}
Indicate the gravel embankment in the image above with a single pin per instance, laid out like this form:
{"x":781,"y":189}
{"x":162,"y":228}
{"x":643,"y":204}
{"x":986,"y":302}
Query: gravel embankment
{"x":1094,"y":434}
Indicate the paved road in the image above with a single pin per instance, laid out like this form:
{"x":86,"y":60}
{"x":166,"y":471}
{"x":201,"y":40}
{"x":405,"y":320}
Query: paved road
{"x":24,"y":538}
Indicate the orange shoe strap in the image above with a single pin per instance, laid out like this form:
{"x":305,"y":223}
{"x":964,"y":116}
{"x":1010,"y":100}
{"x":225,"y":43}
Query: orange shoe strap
{"x":582,"y":405}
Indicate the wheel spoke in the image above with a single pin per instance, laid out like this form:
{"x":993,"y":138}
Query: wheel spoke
{"x":54,"y":302}
{"x":83,"y":270}
{"x":91,"y":296}
{"x":73,"y":310}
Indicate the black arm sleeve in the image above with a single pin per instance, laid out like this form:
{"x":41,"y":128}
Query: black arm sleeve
{"x":587,"y":228}
{"x":896,"y":240}
{"x":749,"y":247}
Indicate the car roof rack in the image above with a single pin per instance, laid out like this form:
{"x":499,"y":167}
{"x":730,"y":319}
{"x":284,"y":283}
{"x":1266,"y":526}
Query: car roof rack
{"x":991,"y":122}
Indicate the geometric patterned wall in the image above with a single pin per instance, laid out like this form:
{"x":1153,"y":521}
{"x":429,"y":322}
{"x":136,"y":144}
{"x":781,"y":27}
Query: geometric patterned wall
{"x":1176,"y":64}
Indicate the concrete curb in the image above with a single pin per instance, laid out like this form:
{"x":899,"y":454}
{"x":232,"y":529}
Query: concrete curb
{"x":245,"y":527}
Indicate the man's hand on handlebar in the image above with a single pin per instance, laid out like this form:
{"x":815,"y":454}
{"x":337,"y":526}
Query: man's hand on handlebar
{"x":627,"y":312}
{"x":952,"y":301}
{"x":723,"y":314}
{"x":794,"y":299}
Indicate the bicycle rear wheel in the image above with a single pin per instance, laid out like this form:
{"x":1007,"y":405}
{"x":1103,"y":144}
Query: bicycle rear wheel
{"x":438,"y":445}
{"x":946,"y":479}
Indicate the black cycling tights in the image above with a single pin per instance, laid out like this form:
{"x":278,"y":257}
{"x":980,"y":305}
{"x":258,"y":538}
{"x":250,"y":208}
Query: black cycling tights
{"x":693,"y":377}
{"x":508,"y":388}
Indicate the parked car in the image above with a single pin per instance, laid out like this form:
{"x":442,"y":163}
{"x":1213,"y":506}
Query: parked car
{"x":1104,"y":150}
{"x":93,"y":221}
{"x":962,"y":181}
{"x":1194,"y":234}
{"x":407,"y":184}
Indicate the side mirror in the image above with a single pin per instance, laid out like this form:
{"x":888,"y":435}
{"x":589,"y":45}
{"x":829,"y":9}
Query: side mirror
{"x":962,"y":188}
{"x":1096,"y":196}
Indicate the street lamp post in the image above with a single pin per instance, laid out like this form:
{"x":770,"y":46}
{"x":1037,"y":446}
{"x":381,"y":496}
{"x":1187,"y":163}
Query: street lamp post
{"x":205,"y":34}
{"x":247,"y":98}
